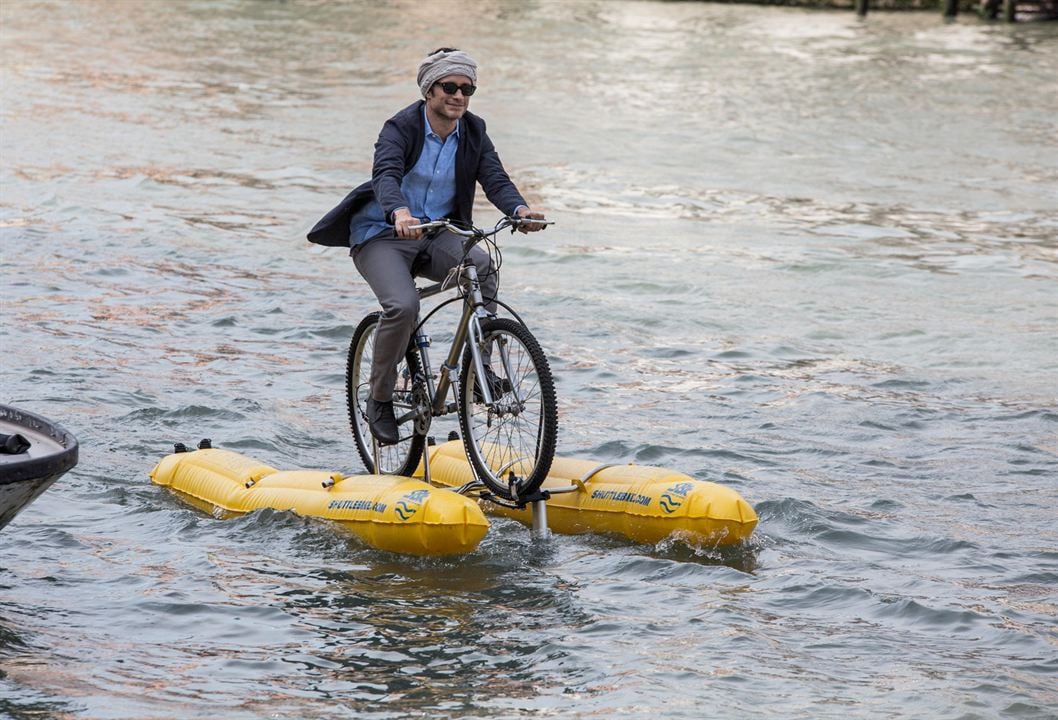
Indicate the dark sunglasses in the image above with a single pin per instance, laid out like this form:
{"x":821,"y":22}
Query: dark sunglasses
{"x":451,"y":87}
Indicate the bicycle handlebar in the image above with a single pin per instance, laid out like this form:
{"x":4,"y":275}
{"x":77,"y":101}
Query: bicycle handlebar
{"x":442,"y":224}
{"x":505,"y":222}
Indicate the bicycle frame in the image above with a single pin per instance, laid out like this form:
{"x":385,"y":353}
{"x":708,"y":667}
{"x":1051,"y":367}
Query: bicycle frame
{"x":468,"y":327}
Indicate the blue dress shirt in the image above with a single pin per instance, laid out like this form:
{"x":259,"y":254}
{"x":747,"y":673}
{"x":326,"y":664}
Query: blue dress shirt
{"x":430,"y":187}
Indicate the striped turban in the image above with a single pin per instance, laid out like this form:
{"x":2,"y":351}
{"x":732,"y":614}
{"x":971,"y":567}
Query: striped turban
{"x":444,"y":63}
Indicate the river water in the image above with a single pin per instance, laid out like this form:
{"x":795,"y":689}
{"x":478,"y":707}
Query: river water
{"x":804,"y":255}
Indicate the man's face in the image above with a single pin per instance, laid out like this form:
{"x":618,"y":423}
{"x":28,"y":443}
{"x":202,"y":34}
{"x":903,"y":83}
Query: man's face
{"x":449,"y":106}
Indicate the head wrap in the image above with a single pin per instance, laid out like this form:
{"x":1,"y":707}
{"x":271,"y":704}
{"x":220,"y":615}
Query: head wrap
{"x":442,"y":64}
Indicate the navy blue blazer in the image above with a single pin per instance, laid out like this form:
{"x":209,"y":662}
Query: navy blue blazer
{"x":396,"y":152}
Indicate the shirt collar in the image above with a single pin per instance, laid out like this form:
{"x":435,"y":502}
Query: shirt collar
{"x":429,"y":128}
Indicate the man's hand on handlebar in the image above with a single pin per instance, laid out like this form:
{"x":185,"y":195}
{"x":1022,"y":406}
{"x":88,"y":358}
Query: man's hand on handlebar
{"x":403,"y":222}
{"x":524,"y":212}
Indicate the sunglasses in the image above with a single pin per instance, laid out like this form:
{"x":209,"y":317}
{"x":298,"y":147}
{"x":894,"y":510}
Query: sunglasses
{"x":451,"y":87}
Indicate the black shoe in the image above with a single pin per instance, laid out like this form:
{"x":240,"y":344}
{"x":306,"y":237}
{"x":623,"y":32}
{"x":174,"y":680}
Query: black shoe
{"x":497,"y":386}
{"x":383,"y":423}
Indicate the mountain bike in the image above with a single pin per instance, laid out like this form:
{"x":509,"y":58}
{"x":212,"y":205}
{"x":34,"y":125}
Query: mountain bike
{"x":495,"y":377}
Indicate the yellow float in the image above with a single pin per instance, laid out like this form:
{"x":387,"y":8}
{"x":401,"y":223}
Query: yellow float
{"x":392,"y":513}
{"x":642,"y":503}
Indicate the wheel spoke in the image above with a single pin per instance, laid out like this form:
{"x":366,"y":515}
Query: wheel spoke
{"x":521,"y":424}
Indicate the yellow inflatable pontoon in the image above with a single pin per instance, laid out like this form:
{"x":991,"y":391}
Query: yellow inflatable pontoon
{"x":642,"y":503}
{"x":387,"y":512}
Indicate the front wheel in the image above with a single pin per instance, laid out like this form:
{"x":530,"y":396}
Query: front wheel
{"x":402,"y":458}
{"x":510,"y":442}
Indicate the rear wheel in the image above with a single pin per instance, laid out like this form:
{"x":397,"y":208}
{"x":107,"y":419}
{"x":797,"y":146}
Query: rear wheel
{"x":402,"y":458}
{"x":510,"y":442}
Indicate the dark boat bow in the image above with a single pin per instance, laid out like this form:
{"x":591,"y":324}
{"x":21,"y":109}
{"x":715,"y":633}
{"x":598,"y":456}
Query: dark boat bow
{"x":25,"y":475}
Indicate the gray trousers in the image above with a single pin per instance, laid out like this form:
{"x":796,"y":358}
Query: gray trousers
{"x":390,"y":266}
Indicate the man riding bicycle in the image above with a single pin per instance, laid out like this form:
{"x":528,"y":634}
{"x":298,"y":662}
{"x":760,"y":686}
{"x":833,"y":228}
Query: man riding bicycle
{"x":429,"y":158}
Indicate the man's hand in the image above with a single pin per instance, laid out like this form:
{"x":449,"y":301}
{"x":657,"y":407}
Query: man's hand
{"x":402,"y":219}
{"x":524,"y":212}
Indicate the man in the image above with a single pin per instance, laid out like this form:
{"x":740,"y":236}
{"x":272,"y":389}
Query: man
{"x":428,"y":159}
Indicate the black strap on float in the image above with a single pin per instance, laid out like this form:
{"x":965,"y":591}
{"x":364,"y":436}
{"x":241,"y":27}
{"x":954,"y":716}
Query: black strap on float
{"x":203,"y":444}
{"x":14,"y":444}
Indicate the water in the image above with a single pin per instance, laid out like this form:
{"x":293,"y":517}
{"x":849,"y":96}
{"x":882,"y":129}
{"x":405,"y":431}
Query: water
{"x":806,"y":256}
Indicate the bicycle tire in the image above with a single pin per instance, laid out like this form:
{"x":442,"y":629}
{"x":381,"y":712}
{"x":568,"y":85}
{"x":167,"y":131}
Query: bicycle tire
{"x":521,"y":426}
{"x":402,"y":458}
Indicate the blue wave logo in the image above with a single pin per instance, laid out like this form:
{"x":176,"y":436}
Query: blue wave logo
{"x":674,"y":496}
{"x":410,"y":504}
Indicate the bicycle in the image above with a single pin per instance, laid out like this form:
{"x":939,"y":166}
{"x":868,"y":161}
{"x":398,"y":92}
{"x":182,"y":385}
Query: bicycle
{"x":509,"y":422}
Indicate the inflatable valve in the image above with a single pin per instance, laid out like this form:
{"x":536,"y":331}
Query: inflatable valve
{"x":254,"y":477}
{"x":330,"y":481}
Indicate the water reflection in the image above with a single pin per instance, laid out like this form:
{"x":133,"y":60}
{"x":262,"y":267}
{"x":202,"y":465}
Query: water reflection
{"x":410,"y":634}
